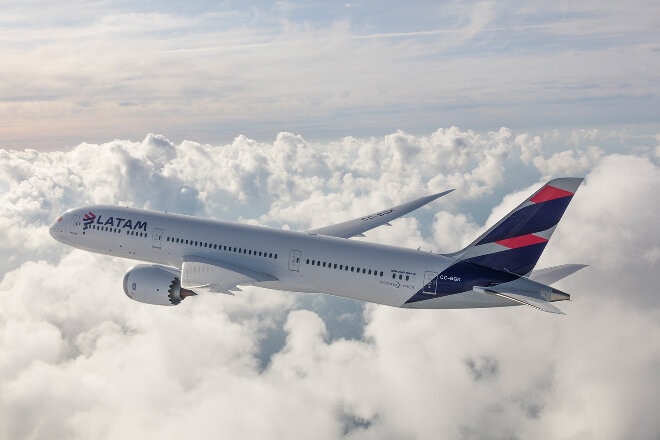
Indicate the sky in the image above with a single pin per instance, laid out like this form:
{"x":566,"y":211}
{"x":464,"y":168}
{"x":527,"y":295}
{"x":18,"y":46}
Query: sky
{"x":210,"y":71}
{"x":298,"y":115}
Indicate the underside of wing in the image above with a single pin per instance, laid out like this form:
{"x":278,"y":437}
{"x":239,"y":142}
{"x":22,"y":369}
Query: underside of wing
{"x":532,"y":299}
{"x":532,"y":302}
{"x":205,"y":275}
{"x":356,"y":227}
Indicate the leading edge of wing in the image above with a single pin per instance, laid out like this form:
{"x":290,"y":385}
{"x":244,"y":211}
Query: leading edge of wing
{"x":205,"y":275}
{"x":356,"y":227}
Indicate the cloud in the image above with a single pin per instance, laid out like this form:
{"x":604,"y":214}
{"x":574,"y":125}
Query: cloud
{"x":80,"y":360}
{"x":569,"y":162}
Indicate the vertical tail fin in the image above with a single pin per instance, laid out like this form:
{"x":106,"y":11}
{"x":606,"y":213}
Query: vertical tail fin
{"x":515,"y":243}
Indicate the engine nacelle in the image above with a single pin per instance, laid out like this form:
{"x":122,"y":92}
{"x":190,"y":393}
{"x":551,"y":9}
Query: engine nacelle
{"x":155,"y":284}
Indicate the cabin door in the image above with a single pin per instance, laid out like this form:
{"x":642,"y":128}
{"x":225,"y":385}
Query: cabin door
{"x":158,"y":235}
{"x":294,"y":260}
{"x":430,"y":282}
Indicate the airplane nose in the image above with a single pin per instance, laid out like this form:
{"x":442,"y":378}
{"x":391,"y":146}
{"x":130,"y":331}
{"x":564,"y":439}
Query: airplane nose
{"x":56,"y":229}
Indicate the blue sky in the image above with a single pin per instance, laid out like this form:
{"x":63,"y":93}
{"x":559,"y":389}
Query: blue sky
{"x":209,"y":71}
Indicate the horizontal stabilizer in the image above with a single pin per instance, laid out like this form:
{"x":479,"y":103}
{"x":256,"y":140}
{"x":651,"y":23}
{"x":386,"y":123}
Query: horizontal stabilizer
{"x":521,"y":298}
{"x":551,"y":275}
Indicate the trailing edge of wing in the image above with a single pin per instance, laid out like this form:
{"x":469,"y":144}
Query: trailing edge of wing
{"x":205,"y":275}
{"x":355,"y":227}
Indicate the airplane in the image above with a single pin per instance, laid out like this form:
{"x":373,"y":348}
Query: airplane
{"x":187,"y":256}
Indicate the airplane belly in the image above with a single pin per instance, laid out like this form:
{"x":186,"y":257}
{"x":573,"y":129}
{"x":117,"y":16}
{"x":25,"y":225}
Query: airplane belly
{"x":374,"y":291}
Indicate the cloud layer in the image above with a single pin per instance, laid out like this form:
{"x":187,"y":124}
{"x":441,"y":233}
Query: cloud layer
{"x":80,"y":360}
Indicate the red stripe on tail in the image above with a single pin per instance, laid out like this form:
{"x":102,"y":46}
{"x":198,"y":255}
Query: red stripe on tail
{"x":523,"y":240}
{"x":549,"y":193}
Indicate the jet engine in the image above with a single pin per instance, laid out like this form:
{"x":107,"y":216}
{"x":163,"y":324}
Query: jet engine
{"x":155,"y":284}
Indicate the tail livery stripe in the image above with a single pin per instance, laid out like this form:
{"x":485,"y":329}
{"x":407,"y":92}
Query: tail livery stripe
{"x":522,"y":240}
{"x":531,"y":217}
{"x":520,"y":260}
{"x":515,"y":243}
{"x":549,"y":193}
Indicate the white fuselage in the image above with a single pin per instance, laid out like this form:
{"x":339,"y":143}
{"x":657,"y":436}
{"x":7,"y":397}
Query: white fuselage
{"x":298,"y":261}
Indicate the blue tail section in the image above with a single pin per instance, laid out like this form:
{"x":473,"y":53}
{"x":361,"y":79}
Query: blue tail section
{"x":508,"y":250}
{"x":515,"y":243}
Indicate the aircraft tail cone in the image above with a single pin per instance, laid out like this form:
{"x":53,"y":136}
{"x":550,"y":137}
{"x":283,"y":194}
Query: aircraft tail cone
{"x":558,"y":295}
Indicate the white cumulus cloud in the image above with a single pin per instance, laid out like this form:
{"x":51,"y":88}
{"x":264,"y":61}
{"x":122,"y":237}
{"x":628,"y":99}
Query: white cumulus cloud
{"x":81,"y":360}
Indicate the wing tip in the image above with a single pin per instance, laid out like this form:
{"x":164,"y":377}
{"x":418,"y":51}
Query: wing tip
{"x":443,"y":193}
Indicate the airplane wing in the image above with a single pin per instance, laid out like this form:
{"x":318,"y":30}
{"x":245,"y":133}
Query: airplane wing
{"x":204,"y":275}
{"x":356,"y":227}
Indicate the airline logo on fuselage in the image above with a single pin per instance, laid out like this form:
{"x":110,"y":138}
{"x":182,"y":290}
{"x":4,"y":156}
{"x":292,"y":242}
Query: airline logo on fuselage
{"x":116,"y":222}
